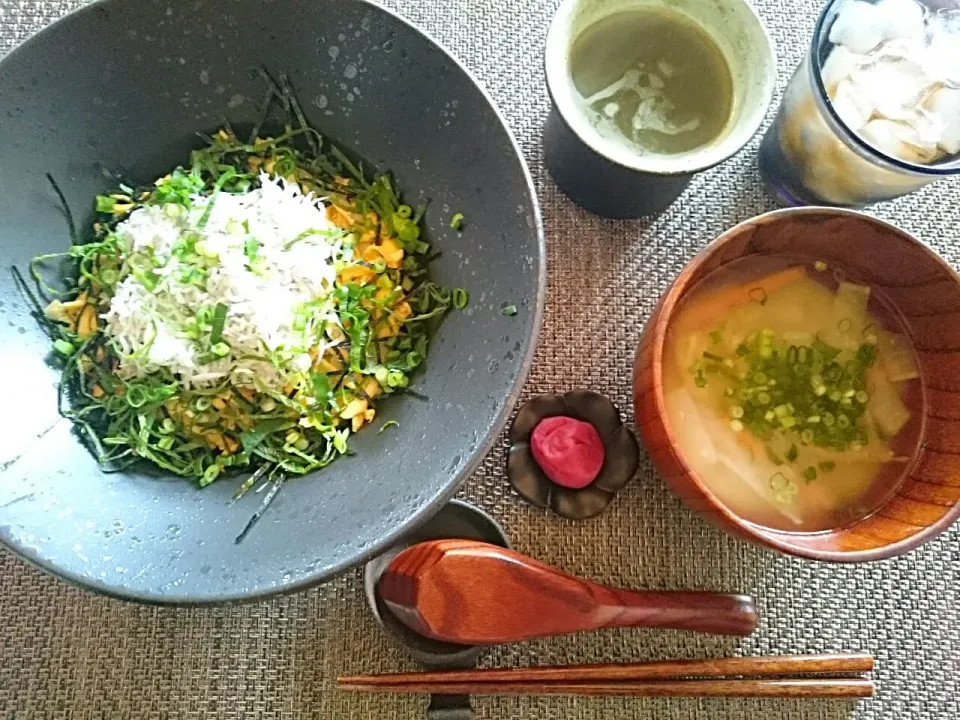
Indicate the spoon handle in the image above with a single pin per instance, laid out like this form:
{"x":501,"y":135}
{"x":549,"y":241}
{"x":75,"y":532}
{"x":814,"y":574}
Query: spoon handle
{"x":708,"y":612}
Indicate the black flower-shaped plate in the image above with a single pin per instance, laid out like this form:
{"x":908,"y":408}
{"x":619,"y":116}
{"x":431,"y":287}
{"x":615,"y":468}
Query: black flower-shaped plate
{"x":621,"y":454}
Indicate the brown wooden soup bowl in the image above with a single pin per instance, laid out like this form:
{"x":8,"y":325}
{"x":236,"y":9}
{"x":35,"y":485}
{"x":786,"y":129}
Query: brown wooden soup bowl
{"x":926,"y":291}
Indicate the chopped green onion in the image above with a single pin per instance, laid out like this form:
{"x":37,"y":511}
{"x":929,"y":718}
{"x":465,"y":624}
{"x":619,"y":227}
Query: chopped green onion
{"x":456,"y":222}
{"x":810,"y":474}
{"x":251,"y":246}
{"x":791,"y":454}
{"x":205,"y":315}
{"x":136,"y":396}
{"x":148,"y":279}
{"x":460,"y":298}
{"x":63,"y":347}
{"x":217,"y":323}
{"x":104,"y":204}
{"x":388,"y":423}
{"x":508,"y":310}
{"x":218,"y":186}
{"x":268,"y":404}
{"x":779,"y":481}
{"x":209,"y":475}
{"x":867,"y":354}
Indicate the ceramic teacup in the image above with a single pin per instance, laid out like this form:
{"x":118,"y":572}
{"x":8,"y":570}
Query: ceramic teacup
{"x":612,"y":178}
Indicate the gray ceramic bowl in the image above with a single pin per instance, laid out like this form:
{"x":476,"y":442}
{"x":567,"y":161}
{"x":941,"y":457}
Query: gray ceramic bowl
{"x":125,"y":85}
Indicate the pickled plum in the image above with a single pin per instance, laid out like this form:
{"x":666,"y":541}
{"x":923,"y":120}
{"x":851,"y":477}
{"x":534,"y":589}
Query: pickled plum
{"x":569,"y":451}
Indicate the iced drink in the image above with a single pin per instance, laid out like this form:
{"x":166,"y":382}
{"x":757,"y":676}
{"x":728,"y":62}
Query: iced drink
{"x":873,"y":111}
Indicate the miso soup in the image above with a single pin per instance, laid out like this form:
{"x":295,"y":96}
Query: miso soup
{"x":793,"y":392}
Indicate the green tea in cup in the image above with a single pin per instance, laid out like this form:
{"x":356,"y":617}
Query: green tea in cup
{"x":653,"y":78}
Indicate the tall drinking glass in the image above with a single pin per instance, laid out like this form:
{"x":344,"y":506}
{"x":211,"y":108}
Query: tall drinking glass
{"x":811,"y":156}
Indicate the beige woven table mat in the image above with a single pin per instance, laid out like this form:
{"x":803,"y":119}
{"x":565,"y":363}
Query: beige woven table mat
{"x":65,"y":653}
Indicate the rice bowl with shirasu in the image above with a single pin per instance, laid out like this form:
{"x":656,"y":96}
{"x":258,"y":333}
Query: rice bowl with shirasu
{"x":248,"y":310}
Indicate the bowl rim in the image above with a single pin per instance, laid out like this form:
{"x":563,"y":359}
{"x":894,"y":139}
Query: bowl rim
{"x":752,"y":531}
{"x":430,"y":505}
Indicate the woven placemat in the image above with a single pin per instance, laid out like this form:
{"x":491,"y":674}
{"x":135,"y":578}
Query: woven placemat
{"x":68,"y":654}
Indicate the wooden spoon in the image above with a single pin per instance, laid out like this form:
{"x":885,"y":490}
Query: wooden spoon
{"x":469,"y":592}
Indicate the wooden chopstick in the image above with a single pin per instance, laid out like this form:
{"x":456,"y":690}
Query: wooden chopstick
{"x":735,"y":688}
{"x":787,"y":676}
{"x":760,"y":667}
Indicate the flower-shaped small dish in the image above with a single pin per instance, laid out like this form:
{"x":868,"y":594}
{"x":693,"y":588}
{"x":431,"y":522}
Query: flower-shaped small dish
{"x":620,"y":459}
